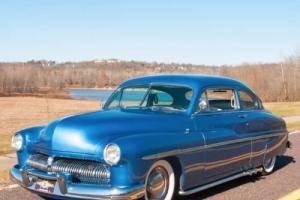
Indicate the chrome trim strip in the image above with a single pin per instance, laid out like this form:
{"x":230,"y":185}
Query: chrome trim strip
{"x":251,"y":154}
{"x":193,"y":149}
{"x":218,"y":182}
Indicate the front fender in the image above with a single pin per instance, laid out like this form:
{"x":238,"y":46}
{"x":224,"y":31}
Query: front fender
{"x":134,"y":163}
{"x":30,"y":135}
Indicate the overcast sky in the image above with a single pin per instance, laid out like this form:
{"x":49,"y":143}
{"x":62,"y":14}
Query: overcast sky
{"x":199,"y":32}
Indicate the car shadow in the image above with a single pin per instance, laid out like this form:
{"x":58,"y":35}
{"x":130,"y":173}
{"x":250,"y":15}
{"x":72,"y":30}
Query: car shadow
{"x":282,"y":161}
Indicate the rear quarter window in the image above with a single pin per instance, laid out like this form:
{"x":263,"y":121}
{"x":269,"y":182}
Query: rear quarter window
{"x":248,"y":101}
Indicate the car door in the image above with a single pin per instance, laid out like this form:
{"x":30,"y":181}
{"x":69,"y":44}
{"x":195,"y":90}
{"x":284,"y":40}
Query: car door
{"x":259,"y":124}
{"x":227,"y":149}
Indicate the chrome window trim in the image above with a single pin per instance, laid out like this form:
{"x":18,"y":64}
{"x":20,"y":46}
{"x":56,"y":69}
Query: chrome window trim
{"x":253,"y":96}
{"x":194,"y":149}
{"x":224,"y":112}
{"x":149,"y":85}
{"x":204,"y":89}
{"x":120,"y":89}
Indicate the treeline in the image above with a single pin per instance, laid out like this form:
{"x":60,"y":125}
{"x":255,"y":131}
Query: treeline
{"x":272,"y":82}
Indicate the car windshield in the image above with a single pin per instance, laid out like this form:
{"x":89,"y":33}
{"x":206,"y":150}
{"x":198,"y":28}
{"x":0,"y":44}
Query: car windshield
{"x":154,"y":97}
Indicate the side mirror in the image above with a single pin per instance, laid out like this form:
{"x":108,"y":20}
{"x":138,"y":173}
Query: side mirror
{"x":202,"y":105}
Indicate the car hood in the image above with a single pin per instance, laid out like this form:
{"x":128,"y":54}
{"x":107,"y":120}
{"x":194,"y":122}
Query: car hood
{"x":89,"y":133}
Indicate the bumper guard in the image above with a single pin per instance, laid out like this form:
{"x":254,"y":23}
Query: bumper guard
{"x":66,"y":189}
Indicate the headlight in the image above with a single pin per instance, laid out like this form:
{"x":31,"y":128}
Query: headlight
{"x":17,"y":142}
{"x":112,"y":154}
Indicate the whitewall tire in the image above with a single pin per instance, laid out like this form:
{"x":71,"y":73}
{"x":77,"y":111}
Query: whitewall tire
{"x":160,"y":181}
{"x":269,"y":165}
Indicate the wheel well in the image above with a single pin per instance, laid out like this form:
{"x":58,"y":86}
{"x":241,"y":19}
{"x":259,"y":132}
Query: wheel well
{"x":176,"y":165}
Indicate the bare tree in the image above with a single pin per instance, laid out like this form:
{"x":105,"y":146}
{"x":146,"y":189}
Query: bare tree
{"x":273,"y":81}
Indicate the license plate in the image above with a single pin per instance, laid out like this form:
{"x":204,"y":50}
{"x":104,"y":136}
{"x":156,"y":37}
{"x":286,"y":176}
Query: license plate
{"x":45,"y":186}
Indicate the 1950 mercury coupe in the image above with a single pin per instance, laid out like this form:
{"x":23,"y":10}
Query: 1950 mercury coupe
{"x":155,"y":138}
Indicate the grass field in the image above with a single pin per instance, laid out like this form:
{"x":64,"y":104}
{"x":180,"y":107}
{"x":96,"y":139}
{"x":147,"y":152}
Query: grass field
{"x":293,"y":126}
{"x":20,"y":112}
{"x":283,"y":109}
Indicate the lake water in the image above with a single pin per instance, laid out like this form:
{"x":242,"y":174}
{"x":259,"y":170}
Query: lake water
{"x":103,"y":95}
{"x":88,"y":94}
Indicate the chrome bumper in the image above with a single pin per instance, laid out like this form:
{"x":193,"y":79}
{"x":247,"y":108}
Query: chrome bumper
{"x":65,"y":189}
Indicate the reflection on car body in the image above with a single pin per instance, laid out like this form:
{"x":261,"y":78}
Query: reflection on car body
{"x":157,"y":137}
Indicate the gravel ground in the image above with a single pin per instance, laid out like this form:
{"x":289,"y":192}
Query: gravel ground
{"x":284,"y":180}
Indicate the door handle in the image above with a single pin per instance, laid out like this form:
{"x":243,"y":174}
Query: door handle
{"x":242,"y":116}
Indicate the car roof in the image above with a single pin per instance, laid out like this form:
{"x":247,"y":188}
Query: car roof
{"x":193,"y":81}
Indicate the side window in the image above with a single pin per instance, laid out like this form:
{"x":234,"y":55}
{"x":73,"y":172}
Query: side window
{"x":247,"y":101}
{"x":160,"y":98}
{"x":218,"y":99}
{"x":116,"y":99}
{"x":133,"y":96}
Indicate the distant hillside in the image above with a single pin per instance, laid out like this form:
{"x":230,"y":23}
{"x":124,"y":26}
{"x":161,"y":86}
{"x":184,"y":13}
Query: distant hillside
{"x":273,"y":81}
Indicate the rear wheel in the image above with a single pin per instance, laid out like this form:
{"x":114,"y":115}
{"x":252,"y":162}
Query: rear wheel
{"x":269,"y":165}
{"x":160,"y":181}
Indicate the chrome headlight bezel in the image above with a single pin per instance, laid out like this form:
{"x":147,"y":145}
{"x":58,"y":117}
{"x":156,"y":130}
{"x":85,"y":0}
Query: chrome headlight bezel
{"x":112,"y":154}
{"x":17,"y":142}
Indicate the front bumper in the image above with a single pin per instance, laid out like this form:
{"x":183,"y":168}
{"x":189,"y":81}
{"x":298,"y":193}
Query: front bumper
{"x":66,"y":190}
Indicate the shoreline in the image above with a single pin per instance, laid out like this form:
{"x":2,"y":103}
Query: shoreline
{"x":59,"y":94}
{"x":65,"y":94}
{"x":103,"y":89}
{"x":39,"y":95}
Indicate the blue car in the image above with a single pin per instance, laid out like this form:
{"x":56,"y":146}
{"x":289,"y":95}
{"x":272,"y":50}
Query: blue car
{"x":156,"y":137}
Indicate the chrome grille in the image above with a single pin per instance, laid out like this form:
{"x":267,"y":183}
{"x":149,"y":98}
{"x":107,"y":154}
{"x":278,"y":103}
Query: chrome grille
{"x":80,"y":170}
{"x":38,"y":161}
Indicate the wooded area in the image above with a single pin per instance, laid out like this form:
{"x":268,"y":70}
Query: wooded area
{"x":272,"y":82}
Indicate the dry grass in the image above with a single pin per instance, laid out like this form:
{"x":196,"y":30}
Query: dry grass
{"x":21,"y":112}
{"x":284,"y":109}
{"x":293,"y":126}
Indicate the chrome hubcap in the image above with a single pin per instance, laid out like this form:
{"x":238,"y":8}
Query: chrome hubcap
{"x":157,"y":184}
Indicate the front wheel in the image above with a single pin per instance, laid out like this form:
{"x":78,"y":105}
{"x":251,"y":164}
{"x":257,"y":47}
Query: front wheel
{"x":269,"y":165}
{"x":160,"y":181}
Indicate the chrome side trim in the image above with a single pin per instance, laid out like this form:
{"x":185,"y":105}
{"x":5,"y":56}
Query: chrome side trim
{"x":193,"y":149}
{"x":218,"y":182}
